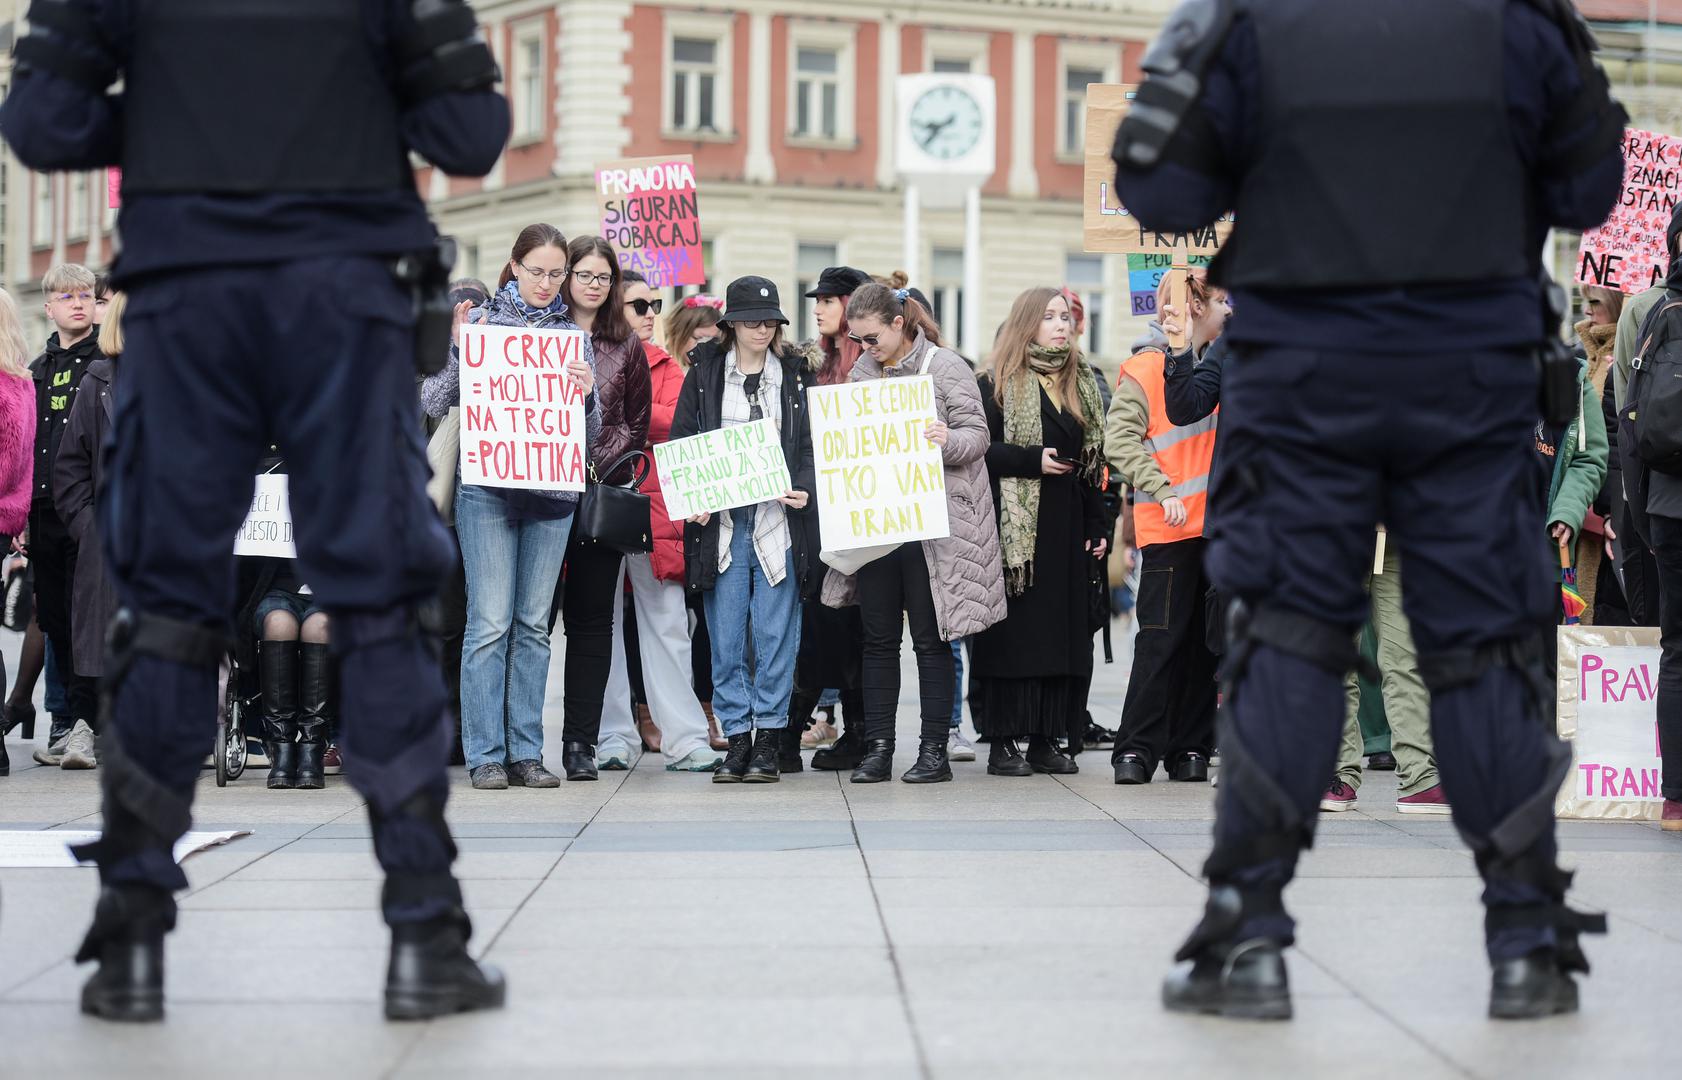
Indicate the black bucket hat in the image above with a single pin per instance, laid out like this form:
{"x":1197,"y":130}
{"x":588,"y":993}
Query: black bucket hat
{"x":838,"y":281}
{"x":752,"y":299}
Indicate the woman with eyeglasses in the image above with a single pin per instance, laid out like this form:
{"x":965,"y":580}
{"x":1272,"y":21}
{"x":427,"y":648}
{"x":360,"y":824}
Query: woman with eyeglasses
{"x":669,"y":718}
{"x":945,"y":589}
{"x":596,"y":296}
{"x":752,"y":564}
{"x":512,"y":541}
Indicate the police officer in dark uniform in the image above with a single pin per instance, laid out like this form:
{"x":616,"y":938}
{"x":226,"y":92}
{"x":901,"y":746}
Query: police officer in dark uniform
{"x":283,"y":283}
{"x":1393,"y":167}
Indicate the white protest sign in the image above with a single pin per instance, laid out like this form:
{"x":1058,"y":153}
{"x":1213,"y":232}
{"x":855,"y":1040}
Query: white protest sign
{"x":880,"y":481}
{"x":721,"y":470}
{"x":1607,"y":680}
{"x":522,"y":418}
{"x":267,"y":532}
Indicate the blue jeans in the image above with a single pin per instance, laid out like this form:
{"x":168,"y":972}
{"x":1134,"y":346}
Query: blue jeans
{"x":512,"y":568}
{"x":741,"y":603}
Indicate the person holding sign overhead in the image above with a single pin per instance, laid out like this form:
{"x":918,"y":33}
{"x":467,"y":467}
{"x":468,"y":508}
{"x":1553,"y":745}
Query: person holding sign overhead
{"x":1046,"y":421}
{"x":512,"y":540}
{"x":752,"y":564}
{"x":948,"y":588}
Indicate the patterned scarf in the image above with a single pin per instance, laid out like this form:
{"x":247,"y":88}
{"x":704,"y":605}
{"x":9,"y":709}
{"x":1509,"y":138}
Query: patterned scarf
{"x":511,"y":293}
{"x":1019,"y":497}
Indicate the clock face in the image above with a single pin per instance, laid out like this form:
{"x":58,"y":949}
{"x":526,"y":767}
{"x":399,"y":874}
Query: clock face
{"x":946,"y":122}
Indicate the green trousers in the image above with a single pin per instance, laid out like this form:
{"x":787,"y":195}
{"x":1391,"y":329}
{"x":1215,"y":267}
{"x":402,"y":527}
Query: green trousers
{"x":1407,"y":704}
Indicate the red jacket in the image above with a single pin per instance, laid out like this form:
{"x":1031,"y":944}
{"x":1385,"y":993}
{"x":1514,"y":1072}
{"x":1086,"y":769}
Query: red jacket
{"x":666,"y":376}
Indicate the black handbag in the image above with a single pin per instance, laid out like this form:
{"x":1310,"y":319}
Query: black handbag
{"x":619,"y":515}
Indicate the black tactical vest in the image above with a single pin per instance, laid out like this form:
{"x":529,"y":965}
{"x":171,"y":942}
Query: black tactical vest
{"x":1384,"y":156}
{"x":255,"y":96}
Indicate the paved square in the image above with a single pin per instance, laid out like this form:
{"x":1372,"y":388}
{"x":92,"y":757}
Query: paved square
{"x":654,"y":925}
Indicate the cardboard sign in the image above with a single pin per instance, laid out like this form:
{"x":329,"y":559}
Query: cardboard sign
{"x":652,"y":217}
{"x":1145,"y":274}
{"x":721,"y":470}
{"x":1608,"y":676}
{"x":522,"y":417}
{"x":1108,"y":225}
{"x":1628,"y":252}
{"x":267,"y":532}
{"x":880,"y":481}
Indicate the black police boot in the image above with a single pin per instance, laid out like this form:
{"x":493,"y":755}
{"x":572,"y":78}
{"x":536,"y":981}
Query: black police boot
{"x":127,"y":939}
{"x":1004,"y":758}
{"x":1132,"y":769}
{"x":578,"y":760}
{"x":1531,"y":987}
{"x":431,"y":973}
{"x":277,"y":664}
{"x":788,"y":750}
{"x":735,"y":763}
{"x":1220,"y":975}
{"x":1044,"y":757}
{"x":845,"y":755}
{"x":877,"y":764}
{"x":932,"y":766}
{"x":315,"y":695}
{"x":762,"y":764}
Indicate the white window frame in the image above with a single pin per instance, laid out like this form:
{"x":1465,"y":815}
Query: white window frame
{"x":529,"y":116}
{"x":805,"y":323}
{"x":719,"y":29}
{"x":43,"y":210}
{"x":1092,"y":55}
{"x":947,"y":296}
{"x":841,"y":39}
{"x":79,"y":219}
{"x":1092,"y":344}
{"x":970,"y":48}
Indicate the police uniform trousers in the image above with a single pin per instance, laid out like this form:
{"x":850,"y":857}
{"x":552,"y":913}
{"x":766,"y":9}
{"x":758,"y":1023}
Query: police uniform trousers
{"x":1319,"y":447}
{"x":315,"y":356}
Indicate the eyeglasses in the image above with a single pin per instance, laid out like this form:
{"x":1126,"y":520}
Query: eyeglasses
{"x":869,"y":341}
{"x":643,"y":307}
{"x":592,"y":279}
{"x":538,"y":274}
{"x":65,"y":298}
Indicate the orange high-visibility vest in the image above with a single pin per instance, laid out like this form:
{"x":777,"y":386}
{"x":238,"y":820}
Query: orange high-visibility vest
{"x":1184,"y":455}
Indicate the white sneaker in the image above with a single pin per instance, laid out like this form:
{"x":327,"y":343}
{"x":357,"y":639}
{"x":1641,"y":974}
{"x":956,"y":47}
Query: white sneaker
{"x":959,"y":748}
{"x":615,"y":756}
{"x":53,"y":755}
{"x":703,"y":760}
{"x":79,"y":748}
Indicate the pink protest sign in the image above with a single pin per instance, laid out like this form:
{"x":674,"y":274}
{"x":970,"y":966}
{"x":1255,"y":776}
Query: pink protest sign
{"x":651,"y":215}
{"x":1628,"y":252}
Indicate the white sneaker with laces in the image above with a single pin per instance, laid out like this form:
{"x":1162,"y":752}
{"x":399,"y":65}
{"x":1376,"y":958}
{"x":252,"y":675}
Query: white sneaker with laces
{"x":79,"y":748}
{"x":616,"y":756}
{"x":959,"y":748}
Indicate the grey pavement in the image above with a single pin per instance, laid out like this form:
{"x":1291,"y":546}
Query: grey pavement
{"x":654,"y":925}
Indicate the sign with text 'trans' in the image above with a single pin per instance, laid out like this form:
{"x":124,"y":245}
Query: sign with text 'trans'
{"x":880,"y":481}
{"x":651,"y":214}
{"x":720,"y":470}
{"x":267,"y":532}
{"x":522,"y":418}
{"x":1108,"y":227}
{"x":1607,"y":707}
{"x":1628,"y":253}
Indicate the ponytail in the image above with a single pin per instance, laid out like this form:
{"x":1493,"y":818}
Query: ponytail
{"x":888,"y":304}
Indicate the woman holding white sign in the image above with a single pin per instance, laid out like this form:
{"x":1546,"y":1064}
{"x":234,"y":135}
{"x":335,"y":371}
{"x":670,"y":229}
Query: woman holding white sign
{"x":947,"y":588}
{"x":1046,"y":417}
{"x":752,"y":564}
{"x":512,"y":540}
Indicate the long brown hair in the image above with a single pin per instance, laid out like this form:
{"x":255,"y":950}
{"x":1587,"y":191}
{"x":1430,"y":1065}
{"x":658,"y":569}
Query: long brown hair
{"x":840,"y":352}
{"x":1010,"y":357}
{"x":887,"y":304}
{"x":611,"y":325}
{"x":684,"y":320}
{"x":530,"y":239}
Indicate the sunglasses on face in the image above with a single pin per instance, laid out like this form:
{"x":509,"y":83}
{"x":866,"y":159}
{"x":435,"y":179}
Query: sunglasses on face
{"x":643,"y":307}
{"x":868,"y":341}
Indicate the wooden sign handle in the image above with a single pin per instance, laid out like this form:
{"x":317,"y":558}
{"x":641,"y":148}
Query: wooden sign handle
{"x":1179,"y":277}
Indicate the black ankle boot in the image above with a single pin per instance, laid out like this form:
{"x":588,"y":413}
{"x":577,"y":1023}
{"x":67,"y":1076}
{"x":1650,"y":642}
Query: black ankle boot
{"x":1044,"y":757}
{"x":431,"y":973}
{"x":277,"y":664}
{"x":578,"y":760}
{"x":788,"y":750}
{"x":845,"y":755}
{"x":1005,"y":759}
{"x":315,"y":694}
{"x":877,"y":763}
{"x":932,"y":766}
{"x":1193,"y":768}
{"x":735,"y":763}
{"x":127,"y":938}
{"x":762,"y":765}
{"x":1221,"y":975}
{"x":1531,"y":987}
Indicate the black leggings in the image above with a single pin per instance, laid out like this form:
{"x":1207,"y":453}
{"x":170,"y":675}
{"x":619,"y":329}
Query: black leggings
{"x":893,"y":584}
{"x":592,"y":572}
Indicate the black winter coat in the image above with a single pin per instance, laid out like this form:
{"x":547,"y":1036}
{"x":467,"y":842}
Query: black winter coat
{"x":78,"y":478}
{"x":699,"y":408}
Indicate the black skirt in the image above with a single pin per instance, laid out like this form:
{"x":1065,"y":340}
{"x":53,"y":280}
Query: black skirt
{"x":1050,"y":705}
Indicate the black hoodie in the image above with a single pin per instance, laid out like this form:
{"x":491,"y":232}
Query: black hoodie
{"x":57,"y":373}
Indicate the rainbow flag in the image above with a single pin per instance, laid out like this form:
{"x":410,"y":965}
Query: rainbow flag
{"x":1569,"y":598}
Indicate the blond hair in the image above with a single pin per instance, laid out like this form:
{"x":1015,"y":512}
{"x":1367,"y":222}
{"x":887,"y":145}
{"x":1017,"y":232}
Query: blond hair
{"x":66,"y":276}
{"x":1010,"y":357}
{"x":111,"y":330}
{"x":14,"y":350}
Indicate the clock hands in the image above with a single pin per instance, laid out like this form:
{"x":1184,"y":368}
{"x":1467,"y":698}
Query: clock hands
{"x":932,"y":130}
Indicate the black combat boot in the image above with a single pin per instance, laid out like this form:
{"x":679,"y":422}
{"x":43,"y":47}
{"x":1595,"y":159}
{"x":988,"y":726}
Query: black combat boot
{"x":1531,"y":987}
{"x":1221,"y":975}
{"x":1044,"y":757}
{"x":877,"y":764}
{"x":431,"y":973}
{"x":762,"y":765}
{"x":845,"y":755}
{"x":315,"y":693}
{"x":127,"y":939}
{"x":277,"y":663}
{"x":788,"y":749}
{"x":932,"y":766}
{"x":1004,"y":758}
{"x":735,"y":763}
